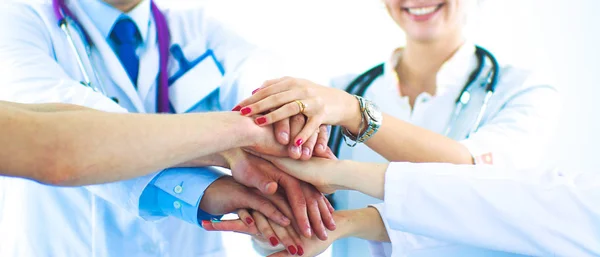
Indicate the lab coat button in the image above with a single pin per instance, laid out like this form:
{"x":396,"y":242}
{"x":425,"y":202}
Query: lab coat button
{"x":178,"y":189}
{"x":177,"y":205}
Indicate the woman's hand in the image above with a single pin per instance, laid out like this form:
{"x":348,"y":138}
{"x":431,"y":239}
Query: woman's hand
{"x":325,"y":174}
{"x":362,"y":223}
{"x":273,"y":140}
{"x":288,"y":97}
{"x":310,"y":209}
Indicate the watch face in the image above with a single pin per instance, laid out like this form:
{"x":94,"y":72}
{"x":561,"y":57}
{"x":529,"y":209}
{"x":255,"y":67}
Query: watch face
{"x":373,"y":112}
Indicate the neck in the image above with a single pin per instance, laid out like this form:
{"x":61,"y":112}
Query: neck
{"x":421,"y":61}
{"x":123,"y":5}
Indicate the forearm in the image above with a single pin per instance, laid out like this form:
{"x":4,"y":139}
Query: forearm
{"x":81,"y":147}
{"x":45,"y":107}
{"x":363,"y":223}
{"x":368,"y":178}
{"x":397,"y":140}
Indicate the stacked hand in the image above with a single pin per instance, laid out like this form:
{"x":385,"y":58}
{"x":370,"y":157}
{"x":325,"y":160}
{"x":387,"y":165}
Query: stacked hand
{"x":288,"y":97}
{"x":308,"y":209}
{"x":279,"y":195}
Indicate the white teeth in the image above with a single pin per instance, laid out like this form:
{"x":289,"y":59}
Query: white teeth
{"x":422,"y":11}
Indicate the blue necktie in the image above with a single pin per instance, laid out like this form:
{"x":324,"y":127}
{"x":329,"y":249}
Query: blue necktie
{"x":125,"y":35}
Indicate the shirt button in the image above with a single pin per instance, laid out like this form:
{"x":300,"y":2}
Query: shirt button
{"x":177,"y":205}
{"x":178,"y":189}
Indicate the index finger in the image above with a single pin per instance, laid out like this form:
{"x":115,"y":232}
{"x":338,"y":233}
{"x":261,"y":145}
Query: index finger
{"x":281,"y":86}
{"x":266,"y":207}
{"x":229,"y":225}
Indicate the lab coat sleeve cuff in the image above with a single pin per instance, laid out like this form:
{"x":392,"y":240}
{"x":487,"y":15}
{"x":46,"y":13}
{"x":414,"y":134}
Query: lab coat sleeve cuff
{"x":480,"y":154}
{"x":397,"y":183}
{"x":383,"y":249}
{"x":178,"y":192}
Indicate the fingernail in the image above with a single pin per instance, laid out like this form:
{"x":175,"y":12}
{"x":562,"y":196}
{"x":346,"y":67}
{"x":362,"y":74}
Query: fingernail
{"x":249,"y":221}
{"x":274,"y":241}
{"x":306,"y":151}
{"x":245,"y":110}
{"x":255,"y":90}
{"x":308,"y":232}
{"x":296,"y":150}
{"x":205,"y":223}
{"x":237,"y":108}
{"x":299,"y":142}
{"x":285,"y":136}
{"x":261,"y":120}
{"x":300,"y":251}
{"x":292,"y":249}
{"x":321,"y":147}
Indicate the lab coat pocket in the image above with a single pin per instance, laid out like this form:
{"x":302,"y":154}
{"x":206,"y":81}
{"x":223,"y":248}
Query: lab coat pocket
{"x":195,"y":79}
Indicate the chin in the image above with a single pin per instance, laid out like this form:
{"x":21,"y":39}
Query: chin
{"x":424,"y":35}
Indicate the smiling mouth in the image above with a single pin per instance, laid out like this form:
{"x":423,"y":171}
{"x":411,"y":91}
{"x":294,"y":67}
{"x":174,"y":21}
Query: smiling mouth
{"x":419,"y":11}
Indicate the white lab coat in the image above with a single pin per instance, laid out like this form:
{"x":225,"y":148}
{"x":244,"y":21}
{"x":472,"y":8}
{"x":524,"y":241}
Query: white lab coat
{"x":516,"y":127}
{"x":538,"y":212}
{"x":37,"y":66}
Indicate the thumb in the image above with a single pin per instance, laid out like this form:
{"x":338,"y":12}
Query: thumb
{"x":252,"y":177}
{"x":260,"y":181}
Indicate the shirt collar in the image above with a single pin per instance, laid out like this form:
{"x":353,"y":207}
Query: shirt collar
{"x":104,"y":16}
{"x":453,"y":74}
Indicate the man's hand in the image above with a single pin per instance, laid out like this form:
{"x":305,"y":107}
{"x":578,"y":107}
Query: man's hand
{"x":308,"y":205}
{"x":225,"y":195}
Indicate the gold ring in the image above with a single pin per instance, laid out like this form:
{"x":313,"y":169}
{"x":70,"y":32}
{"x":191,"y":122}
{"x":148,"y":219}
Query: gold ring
{"x":301,"y":105}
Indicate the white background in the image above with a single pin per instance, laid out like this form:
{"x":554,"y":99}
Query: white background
{"x":323,"y":38}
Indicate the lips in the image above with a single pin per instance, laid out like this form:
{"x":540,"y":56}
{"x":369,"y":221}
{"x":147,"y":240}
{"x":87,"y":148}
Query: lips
{"x":423,"y":13}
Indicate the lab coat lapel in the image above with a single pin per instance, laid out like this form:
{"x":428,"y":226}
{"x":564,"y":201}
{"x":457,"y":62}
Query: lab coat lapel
{"x":149,"y":62}
{"x":116,"y":72}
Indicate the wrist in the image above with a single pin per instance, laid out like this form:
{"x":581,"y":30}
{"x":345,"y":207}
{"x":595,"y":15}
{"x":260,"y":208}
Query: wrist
{"x":231,"y":156}
{"x":354,"y":223}
{"x":353,"y":117}
{"x":216,"y":159}
{"x":339,"y":177}
{"x":242,"y":130}
{"x":344,"y":226}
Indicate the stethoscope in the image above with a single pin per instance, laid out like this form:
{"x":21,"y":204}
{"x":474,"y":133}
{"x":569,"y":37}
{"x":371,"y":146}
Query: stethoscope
{"x":360,"y":85}
{"x":64,"y":16}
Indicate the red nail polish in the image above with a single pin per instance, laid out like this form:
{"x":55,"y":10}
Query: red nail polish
{"x":205,"y":223}
{"x":249,"y":221}
{"x":292,"y":249}
{"x":274,"y":241}
{"x":300,"y":251}
{"x":261,"y":120}
{"x":299,"y":142}
{"x":245,"y":110}
{"x":237,"y":108}
{"x":255,"y":90}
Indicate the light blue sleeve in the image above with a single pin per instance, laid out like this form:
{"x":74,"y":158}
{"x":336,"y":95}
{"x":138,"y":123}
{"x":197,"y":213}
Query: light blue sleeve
{"x":177,"y":192}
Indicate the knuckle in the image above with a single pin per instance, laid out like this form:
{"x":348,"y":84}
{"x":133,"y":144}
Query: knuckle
{"x":319,"y":102}
{"x":306,"y":91}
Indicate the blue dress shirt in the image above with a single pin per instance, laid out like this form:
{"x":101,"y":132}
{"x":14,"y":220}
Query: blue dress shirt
{"x":173,"y":192}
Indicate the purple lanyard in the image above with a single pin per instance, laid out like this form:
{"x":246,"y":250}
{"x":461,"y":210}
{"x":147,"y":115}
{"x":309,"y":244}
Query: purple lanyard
{"x":164,"y":40}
